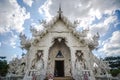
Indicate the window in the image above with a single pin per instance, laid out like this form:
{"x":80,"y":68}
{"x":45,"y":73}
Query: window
{"x":59,"y":54}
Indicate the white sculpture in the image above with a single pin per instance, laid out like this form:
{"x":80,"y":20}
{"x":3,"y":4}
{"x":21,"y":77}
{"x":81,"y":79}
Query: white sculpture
{"x":92,"y":43}
{"x":80,"y":61}
{"x":14,"y":66}
{"x":38,"y":62}
{"x":35,"y":32}
{"x":22,"y":38}
{"x":25,"y":43}
{"x":80,"y":65}
{"x":21,"y":69}
{"x":95,"y":39}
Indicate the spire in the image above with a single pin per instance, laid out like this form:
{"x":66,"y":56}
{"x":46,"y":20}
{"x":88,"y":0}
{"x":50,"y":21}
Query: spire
{"x":60,"y":11}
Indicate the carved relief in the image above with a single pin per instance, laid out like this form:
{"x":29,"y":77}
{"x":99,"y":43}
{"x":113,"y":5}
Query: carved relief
{"x":25,"y":43}
{"x":16,"y":66}
{"x":80,"y":62}
{"x":35,"y":42}
{"x":38,"y":62}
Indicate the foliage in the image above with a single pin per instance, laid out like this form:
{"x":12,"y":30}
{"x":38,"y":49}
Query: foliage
{"x":3,"y":67}
{"x":115,"y":72}
{"x":114,"y":64}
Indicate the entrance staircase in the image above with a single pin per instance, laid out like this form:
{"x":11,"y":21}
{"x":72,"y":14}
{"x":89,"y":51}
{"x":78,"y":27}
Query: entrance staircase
{"x":61,"y":78}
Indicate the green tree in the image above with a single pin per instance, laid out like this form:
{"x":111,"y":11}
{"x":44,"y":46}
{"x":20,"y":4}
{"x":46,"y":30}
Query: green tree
{"x":114,"y":72}
{"x":3,"y":66}
{"x":114,"y":64}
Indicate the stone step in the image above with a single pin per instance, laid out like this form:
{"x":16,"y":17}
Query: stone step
{"x":63,"y":78}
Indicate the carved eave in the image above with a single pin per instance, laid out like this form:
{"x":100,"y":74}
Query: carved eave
{"x":92,"y":45}
{"x":26,"y":45}
{"x":59,"y":17}
{"x":71,"y":26}
{"x":49,"y":25}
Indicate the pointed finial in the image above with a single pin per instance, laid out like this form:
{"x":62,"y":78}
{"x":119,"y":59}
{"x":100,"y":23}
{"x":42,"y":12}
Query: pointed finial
{"x":60,"y":11}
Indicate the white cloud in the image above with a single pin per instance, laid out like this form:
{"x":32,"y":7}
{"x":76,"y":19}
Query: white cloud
{"x":73,"y":8}
{"x":38,"y":27}
{"x":80,"y":8}
{"x":12,"y":16}
{"x":96,"y":13}
{"x":111,"y":46}
{"x":103,"y":27}
{"x":84,"y":10}
{"x":28,"y":2}
{"x":109,"y":20}
{"x":0,"y":44}
{"x":44,"y":9}
{"x":14,"y":56}
{"x":13,"y":40}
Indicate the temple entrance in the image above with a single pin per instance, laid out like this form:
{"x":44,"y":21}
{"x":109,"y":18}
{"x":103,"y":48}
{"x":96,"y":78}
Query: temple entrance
{"x":59,"y":59}
{"x":59,"y":68}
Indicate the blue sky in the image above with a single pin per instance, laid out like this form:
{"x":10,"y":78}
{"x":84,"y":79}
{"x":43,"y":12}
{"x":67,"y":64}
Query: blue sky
{"x":101,"y":16}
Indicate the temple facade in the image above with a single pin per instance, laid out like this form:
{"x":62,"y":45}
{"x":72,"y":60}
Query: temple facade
{"x":61,"y":51}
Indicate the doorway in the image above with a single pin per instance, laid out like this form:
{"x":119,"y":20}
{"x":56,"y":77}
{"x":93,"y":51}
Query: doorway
{"x":59,"y":68}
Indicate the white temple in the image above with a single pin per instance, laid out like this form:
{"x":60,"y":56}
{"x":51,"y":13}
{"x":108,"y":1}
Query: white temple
{"x":60,"y":52}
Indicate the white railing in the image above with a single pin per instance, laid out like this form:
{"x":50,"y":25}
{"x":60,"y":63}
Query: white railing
{"x":34,"y":75}
{"x":30,"y":75}
{"x":84,"y":75}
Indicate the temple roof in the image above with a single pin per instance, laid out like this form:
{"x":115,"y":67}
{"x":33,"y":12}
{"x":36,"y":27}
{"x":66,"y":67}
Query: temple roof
{"x":81,"y":36}
{"x":48,"y":25}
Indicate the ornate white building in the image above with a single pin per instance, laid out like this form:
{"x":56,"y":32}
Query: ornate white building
{"x":61,"y":51}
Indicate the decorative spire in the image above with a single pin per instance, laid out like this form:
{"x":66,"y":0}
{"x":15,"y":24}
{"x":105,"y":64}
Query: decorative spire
{"x":60,"y":11}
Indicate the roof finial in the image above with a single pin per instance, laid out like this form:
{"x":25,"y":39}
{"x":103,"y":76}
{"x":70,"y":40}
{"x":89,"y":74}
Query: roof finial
{"x":60,"y":11}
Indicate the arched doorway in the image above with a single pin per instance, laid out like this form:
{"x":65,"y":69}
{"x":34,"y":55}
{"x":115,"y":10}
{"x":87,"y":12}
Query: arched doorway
{"x":59,"y":59}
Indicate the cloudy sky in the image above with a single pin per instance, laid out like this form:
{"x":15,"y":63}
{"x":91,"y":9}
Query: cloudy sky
{"x":102,"y":16}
